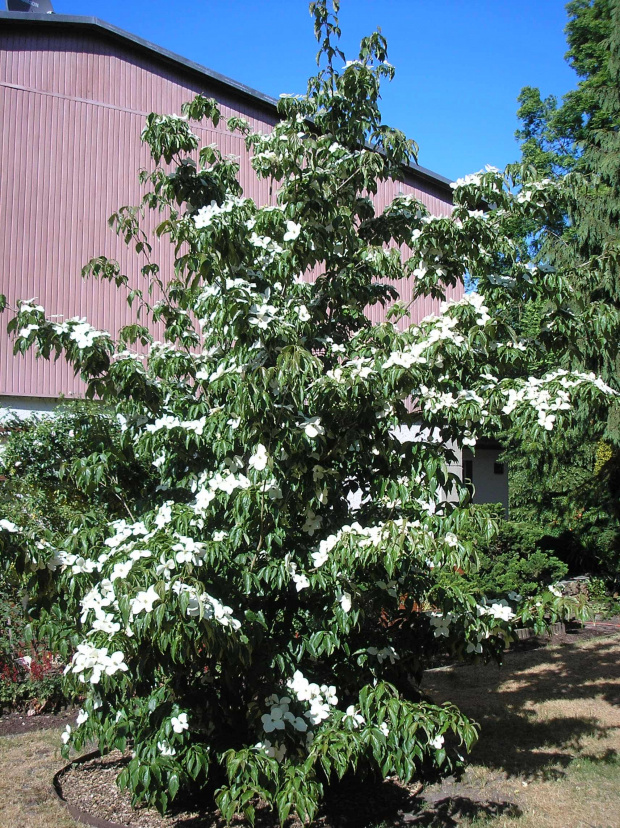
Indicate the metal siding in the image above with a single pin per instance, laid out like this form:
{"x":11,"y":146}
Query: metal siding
{"x":73,"y":107}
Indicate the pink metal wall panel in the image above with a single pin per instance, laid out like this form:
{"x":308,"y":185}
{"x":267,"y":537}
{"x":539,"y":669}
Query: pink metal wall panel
{"x":73,"y":107}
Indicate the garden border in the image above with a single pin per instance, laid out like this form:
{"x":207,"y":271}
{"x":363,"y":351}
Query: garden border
{"x":85,"y":817}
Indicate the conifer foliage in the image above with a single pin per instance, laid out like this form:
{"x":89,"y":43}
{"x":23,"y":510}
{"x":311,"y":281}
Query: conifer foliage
{"x":567,"y":484}
{"x":262,"y":625}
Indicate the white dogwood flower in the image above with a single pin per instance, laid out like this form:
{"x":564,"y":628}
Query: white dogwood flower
{"x":312,"y":427}
{"x":259,"y":459}
{"x":179,"y":723}
{"x":292,"y":231}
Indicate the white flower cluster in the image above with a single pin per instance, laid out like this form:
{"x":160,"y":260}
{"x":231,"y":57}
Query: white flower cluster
{"x":179,"y":723}
{"x":28,"y":306}
{"x":473,"y":178}
{"x":279,"y":714}
{"x":536,"y":393}
{"x":292,"y":231}
{"x":201,"y":603}
{"x":321,"y":698}
{"x":259,"y":459}
{"x":384,"y":654}
{"x":435,"y":329}
{"x":499,"y":609}
{"x":272,"y":489}
{"x":300,"y":579}
{"x":87,"y":657}
{"x":531,"y":190}
{"x":312,"y":427}
{"x":204,"y":217}
{"x":97,"y":600}
{"x":312,"y":523}
{"x":270,"y":247}
{"x":441,"y":623}
{"x":473,"y":299}
{"x":123,"y":531}
{"x":353,"y":717}
{"x":83,"y":334}
{"x":411,"y":355}
{"x":25,"y":332}
{"x":208,"y":484}
{"x":275,"y":751}
{"x":435,"y":400}
{"x":371,"y":536}
{"x":187,"y":550}
{"x":144,"y":601}
{"x":477,"y":646}
{"x":78,"y":563}
{"x":169,"y":422}
{"x":261,"y":316}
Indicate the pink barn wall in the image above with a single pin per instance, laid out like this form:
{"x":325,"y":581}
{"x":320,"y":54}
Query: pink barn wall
{"x":73,"y":105}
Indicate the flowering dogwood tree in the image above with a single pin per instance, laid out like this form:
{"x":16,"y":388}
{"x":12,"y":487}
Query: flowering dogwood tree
{"x":263,"y":627}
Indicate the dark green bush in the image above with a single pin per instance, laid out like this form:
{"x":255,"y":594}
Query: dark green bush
{"x":572,"y":491}
{"x":518,"y":562}
{"x":520,"y":558}
{"x":70,"y":462}
{"x":62,"y":471}
{"x":29,"y":675}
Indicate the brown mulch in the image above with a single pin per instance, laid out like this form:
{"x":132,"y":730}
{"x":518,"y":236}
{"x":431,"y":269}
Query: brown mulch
{"x":20,"y":722}
{"x":91,"y":787}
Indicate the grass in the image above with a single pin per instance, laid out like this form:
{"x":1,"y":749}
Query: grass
{"x":27,"y":764}
{"x":548,"y":757}
{"x":549,"y":752}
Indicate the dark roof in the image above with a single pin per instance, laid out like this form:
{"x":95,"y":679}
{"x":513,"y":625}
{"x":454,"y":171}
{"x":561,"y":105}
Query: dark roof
{"x":93,"y":25}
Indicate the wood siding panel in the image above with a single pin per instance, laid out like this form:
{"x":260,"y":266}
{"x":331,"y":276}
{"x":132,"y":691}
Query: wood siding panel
{"x":73,"y":106}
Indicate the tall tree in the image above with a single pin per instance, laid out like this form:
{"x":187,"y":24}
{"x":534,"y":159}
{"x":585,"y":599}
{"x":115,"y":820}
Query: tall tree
{"x":582,"y":135}
{"x":578,"y":140}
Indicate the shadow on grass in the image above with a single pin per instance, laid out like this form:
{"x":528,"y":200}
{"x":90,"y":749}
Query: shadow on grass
{"x":503,"y":700}
{"x":449,"y":812}
{"x":378,"y":805}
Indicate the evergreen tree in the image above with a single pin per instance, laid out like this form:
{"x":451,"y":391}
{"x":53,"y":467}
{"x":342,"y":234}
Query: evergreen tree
{"x":579,"y":141}
{"x":582,"y":135}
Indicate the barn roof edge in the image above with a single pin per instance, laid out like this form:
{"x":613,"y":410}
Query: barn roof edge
{"x":90,"y":23}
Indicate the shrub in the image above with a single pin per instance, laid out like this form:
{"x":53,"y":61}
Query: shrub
{"x":29,"y":674}
{"x":59,"y":466}
{"x":63,"y":471}
{"x":518,"y":561}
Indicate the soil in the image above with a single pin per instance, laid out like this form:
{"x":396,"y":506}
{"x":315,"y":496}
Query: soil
{"x":19,"y":722}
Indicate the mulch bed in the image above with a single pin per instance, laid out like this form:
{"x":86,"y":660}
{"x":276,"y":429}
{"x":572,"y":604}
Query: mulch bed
{"x":574,"y":631}
{"x":91,"y":787}
{"x":13,"y":723}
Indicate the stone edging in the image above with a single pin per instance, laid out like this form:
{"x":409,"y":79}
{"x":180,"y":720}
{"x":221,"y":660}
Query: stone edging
{"x":554,"y":629}
{"x":81,"y":816}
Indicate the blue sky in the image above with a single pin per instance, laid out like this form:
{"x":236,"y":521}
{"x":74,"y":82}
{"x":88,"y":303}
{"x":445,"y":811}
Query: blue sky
{"x":460,"y":63}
